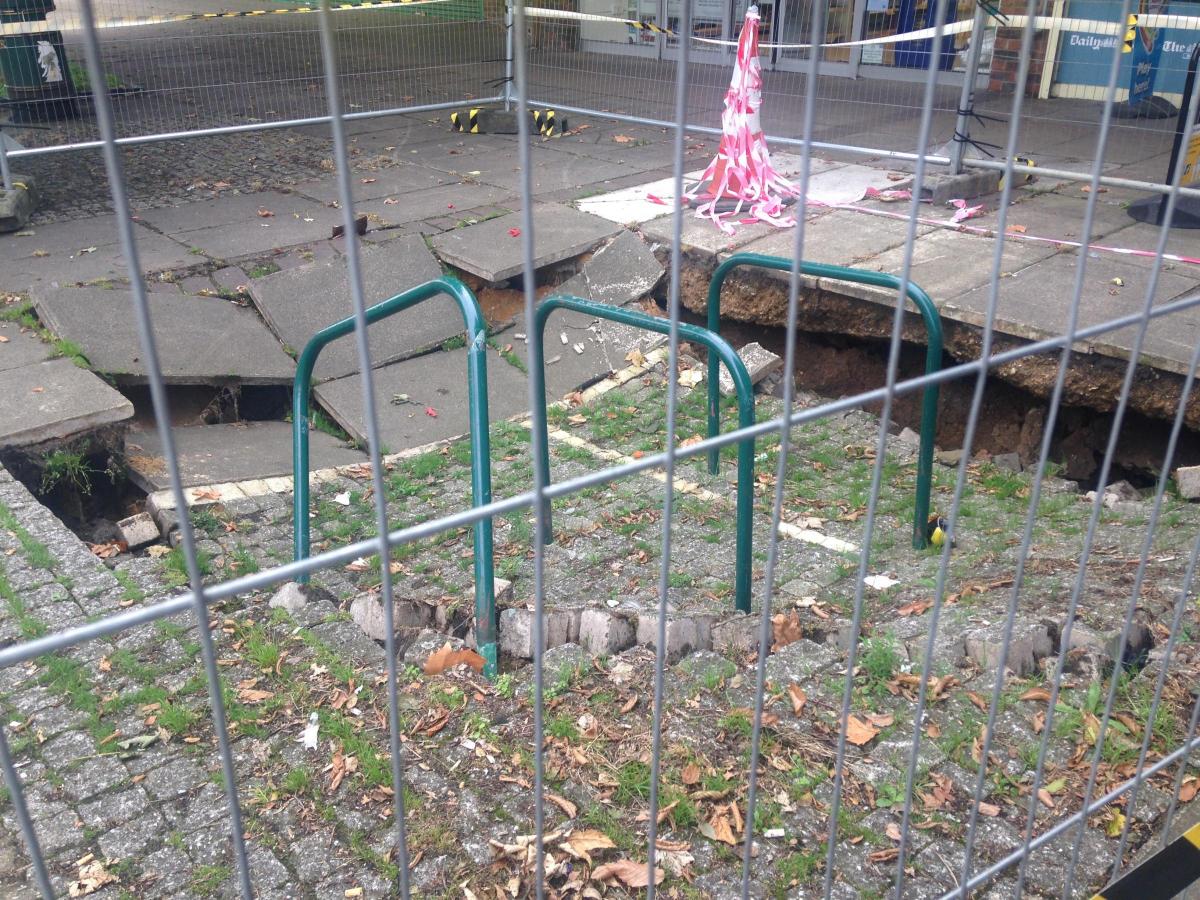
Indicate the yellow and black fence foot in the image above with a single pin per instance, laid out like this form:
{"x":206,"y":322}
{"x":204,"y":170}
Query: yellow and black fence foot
{"x":1164,"y":874}
{"x":497,"y":121}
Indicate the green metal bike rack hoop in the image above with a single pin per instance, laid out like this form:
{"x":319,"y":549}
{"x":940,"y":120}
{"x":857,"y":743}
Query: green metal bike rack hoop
{"x":718,"y":348}
{"x":481,"y":469}
{"x":933,"y":357}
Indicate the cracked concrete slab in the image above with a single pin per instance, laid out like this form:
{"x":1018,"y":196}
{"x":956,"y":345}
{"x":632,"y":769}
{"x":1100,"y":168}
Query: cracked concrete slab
{"x":618,"y":273}
{"x":492,"y":252}
{"x":55,"y":399}
{"x":435,"y":381}
{"x":209,"y":454}
{"x":201,"y":340}
{"x":297,"y":303}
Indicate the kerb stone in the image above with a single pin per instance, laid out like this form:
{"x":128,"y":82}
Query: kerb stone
{"x":602,"y":631}
{"x":1030,"y":643}
{"x":517,"y":630}
{"x":684,"y":634}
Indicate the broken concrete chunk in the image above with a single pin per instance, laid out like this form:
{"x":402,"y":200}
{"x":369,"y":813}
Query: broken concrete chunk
{"x":16,"y":208}
{"x":290,"y":597}
{"x":760,"y":362}
{"x":1010,"y":462}
{"x":1187,"y":480}
{"x":139,"y":530}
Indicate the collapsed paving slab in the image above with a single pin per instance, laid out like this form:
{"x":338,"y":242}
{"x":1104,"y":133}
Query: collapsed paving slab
{"x":618,"y":273}
{"x":423,"y":400}
{"x":297,"y":303}
{"x":492,"y":252}
{"x":580,"y":350}
{"x":53,"y":400}
{"x":209,"y":454}
{"x":201,"y":340}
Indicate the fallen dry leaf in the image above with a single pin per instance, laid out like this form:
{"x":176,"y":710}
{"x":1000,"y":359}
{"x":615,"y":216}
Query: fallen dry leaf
{"x":690,"y":774}
{"x":1189,"y":788}
{"x":1044,"y":796}
{"x":1037,"y":694}
{"x":785,"y":629}
{"x":881,"y":720}
{"x":91,"y":877}
{"x":206,"y":494}
{"x":915,"y":608}
{"x":564,"y":804}
{"x":798,"y":697}
{"x":635,"y":357}
{"x":108,"y":550}
{"x":264,"y":213}
{"x":978,"y":702}
{"x":622,"y":139}
{"x":1017,"y":229}
{"x":582,"y":843}
{"x":859,"y":732}
{"x":629,"y":873}
{"x":719,"y":829}
{"x":447,"y":658}
{"x":988,"y":809}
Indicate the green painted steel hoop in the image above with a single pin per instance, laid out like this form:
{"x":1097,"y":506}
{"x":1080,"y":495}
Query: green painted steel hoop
{"x":718,"y":348}
{"x":933,"y":358}
{"x":481,"y":468}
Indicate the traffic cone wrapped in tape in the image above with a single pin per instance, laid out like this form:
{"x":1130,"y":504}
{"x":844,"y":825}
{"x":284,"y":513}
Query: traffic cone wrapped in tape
{"x":740,"y":181}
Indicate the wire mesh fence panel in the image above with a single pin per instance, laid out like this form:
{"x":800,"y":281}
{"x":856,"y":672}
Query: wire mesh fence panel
{"x":1003,"y":702}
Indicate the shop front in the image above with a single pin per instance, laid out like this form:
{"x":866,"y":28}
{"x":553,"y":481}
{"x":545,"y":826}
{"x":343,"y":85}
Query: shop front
{"x":786,"y":22}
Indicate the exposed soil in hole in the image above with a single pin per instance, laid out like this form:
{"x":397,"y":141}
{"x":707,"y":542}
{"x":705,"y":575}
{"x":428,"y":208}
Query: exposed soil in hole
{"x":209,"y":405}
{"x":1012,"y":420}
{"x":82,"y":482}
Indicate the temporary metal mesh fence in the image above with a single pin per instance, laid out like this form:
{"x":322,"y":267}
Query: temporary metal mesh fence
{"x":1039,"y":813}
{"x":257,"y":67}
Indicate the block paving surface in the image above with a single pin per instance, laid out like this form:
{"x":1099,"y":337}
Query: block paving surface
{"x":114,"y":744}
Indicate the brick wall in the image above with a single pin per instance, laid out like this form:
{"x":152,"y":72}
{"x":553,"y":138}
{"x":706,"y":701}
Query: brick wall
{"x":1006,"y":56}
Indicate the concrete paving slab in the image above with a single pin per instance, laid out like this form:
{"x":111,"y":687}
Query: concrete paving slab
{"x":838,"y":237}
{"x":297,"y":303}
{"x":210,"y":454}
{"x":631,"y":205}
{"x":436,"y":380}
{"x":53,"y":400}
{"x":376,"y":184}
{"x":230,"y":227}
{"x":21,"y":347}
{"x":454,"y":201}
{"x":949,"y":263}
{"x":617,"y":273}
{"x":1054,"y":215}
{"x":201,"y":340}
{"x":79,"y":250}
{"x":489,"y":251}
{"x":593,"y":349}
{"x":550,"y":171}
{"x":1034,"y":303}
{"x":1144,"y":236}
{"x":702,"y":236}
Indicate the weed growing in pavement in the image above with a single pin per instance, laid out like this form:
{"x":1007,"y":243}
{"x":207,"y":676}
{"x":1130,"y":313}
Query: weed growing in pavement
{"x":175,"y":564}
{"x":36,"y":553}
{"x":878,"y":663}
